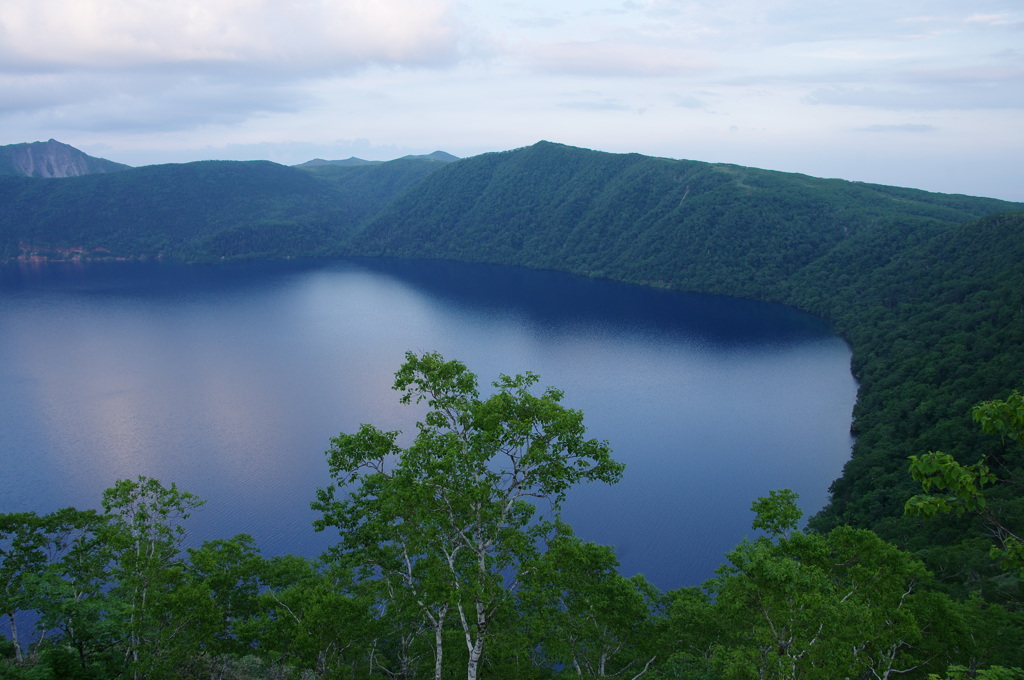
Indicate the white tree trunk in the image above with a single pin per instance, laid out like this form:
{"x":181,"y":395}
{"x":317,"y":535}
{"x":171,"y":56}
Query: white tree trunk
{"x":14,"y":638}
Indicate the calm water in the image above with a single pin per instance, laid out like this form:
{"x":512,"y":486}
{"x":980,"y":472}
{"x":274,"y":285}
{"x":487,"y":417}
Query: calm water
{"x":230,"y":380}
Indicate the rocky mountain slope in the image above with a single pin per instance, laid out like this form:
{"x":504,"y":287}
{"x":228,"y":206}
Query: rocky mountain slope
{"x":52,"y":159}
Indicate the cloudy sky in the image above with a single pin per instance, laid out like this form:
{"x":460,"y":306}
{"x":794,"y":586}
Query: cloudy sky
{"x":920,"y":93}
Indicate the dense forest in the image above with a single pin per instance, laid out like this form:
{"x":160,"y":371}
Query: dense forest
{"x":927,"y":288}
{"x":198,"y":212}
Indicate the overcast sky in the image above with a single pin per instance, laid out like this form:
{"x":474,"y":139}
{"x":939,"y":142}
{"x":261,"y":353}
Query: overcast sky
{"x":920,"y":93}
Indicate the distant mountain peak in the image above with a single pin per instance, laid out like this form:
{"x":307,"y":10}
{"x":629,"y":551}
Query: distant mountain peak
{"x":52,"y":159}
{"x":439,"y":156}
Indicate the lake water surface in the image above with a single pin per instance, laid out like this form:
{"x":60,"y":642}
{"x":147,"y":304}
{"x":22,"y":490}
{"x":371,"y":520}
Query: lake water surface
{"x":230,"y":380}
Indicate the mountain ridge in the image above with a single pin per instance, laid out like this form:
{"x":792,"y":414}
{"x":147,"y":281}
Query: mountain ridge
{"x":442,"y":156}
{"x":665,"y":222}
{"x":52,"y":159}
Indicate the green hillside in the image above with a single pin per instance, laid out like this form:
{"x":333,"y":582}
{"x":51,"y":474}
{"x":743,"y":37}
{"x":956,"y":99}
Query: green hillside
{"x":203,"y":211}
{"x":679,"y":224}
{"x":936,"y":321}
{"x":367,"y":188}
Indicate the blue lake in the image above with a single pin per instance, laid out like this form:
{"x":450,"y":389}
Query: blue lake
{"x":230,"y":380}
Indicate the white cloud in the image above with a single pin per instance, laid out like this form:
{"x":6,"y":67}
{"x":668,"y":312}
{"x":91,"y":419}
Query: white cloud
{"x":802,"y":83}
{"x":135,"y":65}
{"x":324,"y":35}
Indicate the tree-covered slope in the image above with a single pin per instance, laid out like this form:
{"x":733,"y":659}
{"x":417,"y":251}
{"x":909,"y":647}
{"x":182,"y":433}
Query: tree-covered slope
{"x":936,"y":321}
{"x":166,"y":209}
{"x":367,"y":188}
{"x":206,"y":210}
{"x":681,"y":224}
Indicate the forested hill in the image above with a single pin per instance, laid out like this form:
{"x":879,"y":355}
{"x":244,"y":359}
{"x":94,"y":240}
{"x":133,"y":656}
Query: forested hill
{"x":202,"y":211}
{"x":935,"y":317}
{"x":680,"y":224}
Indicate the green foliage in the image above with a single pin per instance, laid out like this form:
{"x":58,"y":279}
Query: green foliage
{"x":929,"y":295}
{"x":160,"y":609}
{"x":54,"y":565}
{"x":991,"y":673}
{"x":965,"y":484}
{"x":447,"y":522}
{"x":583,"y":614}
{"x":935,"y":326}
{"x":228,"y":574}
{"x":941,"y":471}
{"x":842,"y":604}
{"x":208,"y":211}
{"x":1002,"y":417}
{"x":307,"y":617}
{"x":74,"y":596}
{"x":676,"y":224}
{"x":23,"y":544}
{"x":778,"y":514}
{"x":119,"y":598}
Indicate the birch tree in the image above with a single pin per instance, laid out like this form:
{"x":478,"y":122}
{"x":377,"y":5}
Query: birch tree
{"x":451,"y":519}
{"x":146,"y":532}
{"x":23,"y":548}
